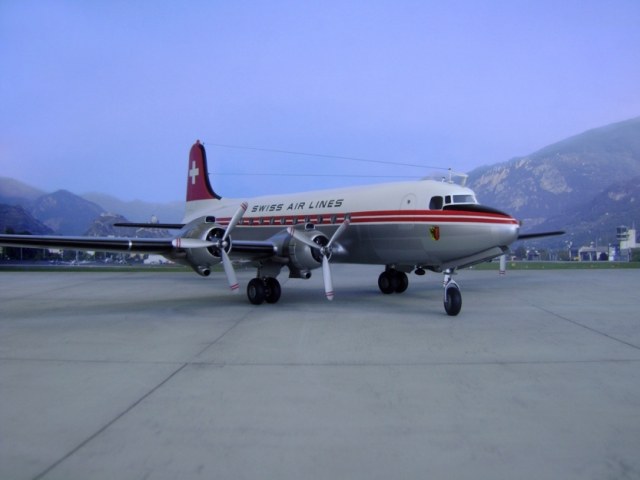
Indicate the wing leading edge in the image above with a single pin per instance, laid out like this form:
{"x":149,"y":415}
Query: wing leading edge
{"x":163,"y":246}
{"x":525,"y":236}
{"x":167,"y":226}
{"x":106,"y":244}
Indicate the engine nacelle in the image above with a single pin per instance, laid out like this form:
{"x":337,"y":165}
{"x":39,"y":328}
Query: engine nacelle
{"x":303,"y":258}
{"x":203,"y":259}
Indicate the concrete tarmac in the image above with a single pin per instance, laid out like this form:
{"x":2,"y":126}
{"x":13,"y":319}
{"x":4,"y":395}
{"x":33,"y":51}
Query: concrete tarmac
{"x":168,"y":375}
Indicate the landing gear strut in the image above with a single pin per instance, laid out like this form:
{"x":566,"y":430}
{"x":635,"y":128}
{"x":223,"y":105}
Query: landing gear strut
{"x":452,"y":295}
{"x":266,"y":289}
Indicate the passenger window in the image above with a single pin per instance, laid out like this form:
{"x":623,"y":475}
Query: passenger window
{"x":435,"y":203}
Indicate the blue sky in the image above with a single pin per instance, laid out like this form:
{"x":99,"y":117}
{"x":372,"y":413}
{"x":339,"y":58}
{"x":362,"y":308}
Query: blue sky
{"x":109,"y":95}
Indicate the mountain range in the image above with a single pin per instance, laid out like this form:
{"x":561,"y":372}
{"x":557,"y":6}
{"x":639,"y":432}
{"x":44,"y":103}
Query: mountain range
{"x":27,"y":209}
{"x":587,"y":185}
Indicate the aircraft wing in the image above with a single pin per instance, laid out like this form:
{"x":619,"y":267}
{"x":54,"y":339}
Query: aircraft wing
{"x":253,"y":250}
{"x":248,"y":249}
{"x":526,"y":236}
{"x":167,"y":226}
{"x":106,"y":244}
{"x":474,"y":259}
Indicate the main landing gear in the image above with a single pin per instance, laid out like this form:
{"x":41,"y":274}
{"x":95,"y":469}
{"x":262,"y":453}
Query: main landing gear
{"x":394,"y":281}
{"x":267,"y":289}
{"x":261,"y":290}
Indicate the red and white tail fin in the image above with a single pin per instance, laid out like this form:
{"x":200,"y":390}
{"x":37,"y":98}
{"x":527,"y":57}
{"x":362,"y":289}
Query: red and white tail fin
{"x":198,"y":186}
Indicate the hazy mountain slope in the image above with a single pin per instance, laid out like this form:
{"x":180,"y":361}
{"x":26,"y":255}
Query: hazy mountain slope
{"x":65,"y":213}
{"x":138,"y":210}
{"x":19,"y":220}
{"x":14,"y":192}
{"x":596,"y":221}
{"x":102,"y":226}
{"x":562,"y":176}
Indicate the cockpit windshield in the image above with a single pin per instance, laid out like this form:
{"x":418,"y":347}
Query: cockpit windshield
{"x":438,"y":203}
{"x":464,"y":199}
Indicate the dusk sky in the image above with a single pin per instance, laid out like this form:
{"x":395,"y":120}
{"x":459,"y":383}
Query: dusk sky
{"x":109,"y":96}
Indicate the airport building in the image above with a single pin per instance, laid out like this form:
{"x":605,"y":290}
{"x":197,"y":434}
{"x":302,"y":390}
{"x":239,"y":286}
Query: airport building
{"x":627,"y":240}
{"x":595,"y":253}
{"x":621,"y":251}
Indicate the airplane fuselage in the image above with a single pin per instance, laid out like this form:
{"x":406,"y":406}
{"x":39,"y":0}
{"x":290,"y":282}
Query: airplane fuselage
{"x":391,"y":224}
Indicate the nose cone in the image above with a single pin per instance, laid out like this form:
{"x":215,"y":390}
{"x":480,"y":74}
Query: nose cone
{"x":506,"y":228}
{"x":509,"y":233}
{"x":499,"y":228}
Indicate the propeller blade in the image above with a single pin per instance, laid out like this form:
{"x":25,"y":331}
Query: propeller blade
{"x":298,"y":235}
{"x":326,"y":275}
{"x":235,"y":219}
{"x":226,"y":261}
{"x":339,"y":232}
{"x":326,"y":253}
{"x":229,"y":270}
{"x":191,"y":243}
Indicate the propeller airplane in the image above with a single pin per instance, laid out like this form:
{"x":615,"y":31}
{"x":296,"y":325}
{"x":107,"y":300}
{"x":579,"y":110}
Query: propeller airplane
{"x":406,"y":227}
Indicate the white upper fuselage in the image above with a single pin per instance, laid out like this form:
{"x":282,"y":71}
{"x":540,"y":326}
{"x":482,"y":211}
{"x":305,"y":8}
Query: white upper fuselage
{"x":414,"y":195}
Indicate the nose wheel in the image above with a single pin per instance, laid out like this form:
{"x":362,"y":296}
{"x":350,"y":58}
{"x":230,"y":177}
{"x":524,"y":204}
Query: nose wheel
{"x":452,"y":295}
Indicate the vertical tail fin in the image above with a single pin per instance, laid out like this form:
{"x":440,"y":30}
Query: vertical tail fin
{"x":198,"y":186}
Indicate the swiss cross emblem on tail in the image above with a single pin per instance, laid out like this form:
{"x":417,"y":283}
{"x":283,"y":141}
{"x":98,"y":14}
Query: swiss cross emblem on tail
{"x":435,"y":232}
{"x":198,"y":186}
{"x":194,"y":172}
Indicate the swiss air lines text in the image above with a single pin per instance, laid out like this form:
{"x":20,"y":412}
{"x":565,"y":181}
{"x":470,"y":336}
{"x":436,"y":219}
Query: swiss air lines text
{"x":281,"y":207}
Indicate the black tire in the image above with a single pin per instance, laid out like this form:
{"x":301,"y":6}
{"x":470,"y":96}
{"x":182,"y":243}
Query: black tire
{"x":256,"y":291}
{"x":387,"y":282}
{"x":273,"y":290}
{"x":452,"y":300}
{"x":402,"y":282}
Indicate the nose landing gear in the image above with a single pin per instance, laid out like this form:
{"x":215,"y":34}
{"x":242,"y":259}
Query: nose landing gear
{"x":452,"y":295}
{"x":394,"y":281}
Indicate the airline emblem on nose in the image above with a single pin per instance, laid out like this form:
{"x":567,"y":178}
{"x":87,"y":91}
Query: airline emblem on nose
{"x":435,"y":232}
{"x":194,"y":172}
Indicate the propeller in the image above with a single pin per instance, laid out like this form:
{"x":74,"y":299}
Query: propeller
{"x":325,"y":251}
{"x":222,"y":244}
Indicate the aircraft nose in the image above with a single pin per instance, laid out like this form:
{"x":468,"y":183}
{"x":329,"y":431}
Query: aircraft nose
{"x":510,"y":232}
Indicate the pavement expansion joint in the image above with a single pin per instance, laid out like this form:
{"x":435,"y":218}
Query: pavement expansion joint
{"x":139,"y":400}
{"x":586,"y":327}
